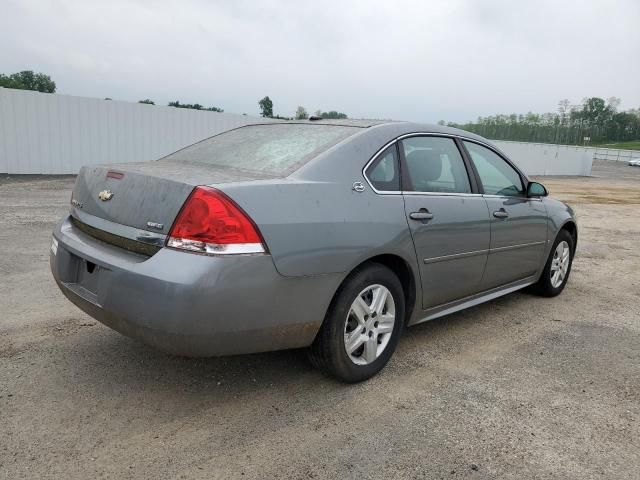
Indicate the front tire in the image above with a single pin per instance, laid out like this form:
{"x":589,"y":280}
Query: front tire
{"x":558,"y":267}
{"x":362,"y":327}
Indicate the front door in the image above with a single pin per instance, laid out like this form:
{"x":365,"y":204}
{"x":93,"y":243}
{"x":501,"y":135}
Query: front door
{"x":518,"y":223}
{"x":449,"y":222}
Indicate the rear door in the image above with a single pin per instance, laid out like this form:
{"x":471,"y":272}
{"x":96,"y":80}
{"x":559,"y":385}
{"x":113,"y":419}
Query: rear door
{"x":518,"y":223}
{"x":448,"y":218}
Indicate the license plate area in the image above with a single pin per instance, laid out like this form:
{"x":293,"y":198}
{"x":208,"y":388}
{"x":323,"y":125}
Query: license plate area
{"x":88,"y":275}
{"x":84,"y":278}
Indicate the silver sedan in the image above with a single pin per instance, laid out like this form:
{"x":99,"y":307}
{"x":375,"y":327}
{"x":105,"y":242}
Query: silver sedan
{"x":327,"y":235}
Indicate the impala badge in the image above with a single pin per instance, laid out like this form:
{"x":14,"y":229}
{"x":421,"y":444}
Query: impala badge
{"x":105,"y":195}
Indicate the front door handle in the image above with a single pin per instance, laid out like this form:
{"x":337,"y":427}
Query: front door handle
{"x":502,"y":213}
{"x":421,"y":215}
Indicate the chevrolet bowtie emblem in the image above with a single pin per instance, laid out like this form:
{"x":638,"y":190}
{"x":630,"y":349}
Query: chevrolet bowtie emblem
{"x":105,"y":195}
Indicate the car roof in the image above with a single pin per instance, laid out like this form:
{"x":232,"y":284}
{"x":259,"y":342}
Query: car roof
{"x":395,"y":129}
{"x":387,"y":127}
{"x":343,"y":122}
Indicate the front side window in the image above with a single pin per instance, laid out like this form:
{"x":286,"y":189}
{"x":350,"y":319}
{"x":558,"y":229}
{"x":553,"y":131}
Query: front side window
{"x":383,"y":172}
{"x":496,"y":175}
{"x":434,"y":164}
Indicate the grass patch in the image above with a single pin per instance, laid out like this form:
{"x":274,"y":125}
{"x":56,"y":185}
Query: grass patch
{"x":632,"y":145}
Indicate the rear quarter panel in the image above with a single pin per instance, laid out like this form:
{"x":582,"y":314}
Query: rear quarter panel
{"x":314,"y":223}
{"x":315,"y":228}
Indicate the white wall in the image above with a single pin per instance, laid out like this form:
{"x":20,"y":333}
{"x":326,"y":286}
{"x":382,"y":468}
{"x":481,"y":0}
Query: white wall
{"x":55,"y":134}
{"x":46,"y":133}
{"x":547,"y":159}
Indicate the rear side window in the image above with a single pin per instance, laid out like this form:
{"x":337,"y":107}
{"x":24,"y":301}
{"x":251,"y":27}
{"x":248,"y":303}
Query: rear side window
{"x":496,"y":175}
{"x":434,"y":164}
{"x":276,"y":149}
{"x":383,"y":173}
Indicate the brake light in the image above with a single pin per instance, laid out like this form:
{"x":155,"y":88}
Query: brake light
{"x":210,"y":222}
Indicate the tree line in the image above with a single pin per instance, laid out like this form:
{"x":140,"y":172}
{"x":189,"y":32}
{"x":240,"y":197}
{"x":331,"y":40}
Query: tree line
{"x":177,"y":104}
{"x":266,"y":110}
{"x":28,"y":80}
{"x":40,"y":82}
{"x":593,"y":121}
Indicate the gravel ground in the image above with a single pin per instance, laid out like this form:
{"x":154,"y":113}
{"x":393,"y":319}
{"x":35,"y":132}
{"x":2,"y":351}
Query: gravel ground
{"x":521,"y":387}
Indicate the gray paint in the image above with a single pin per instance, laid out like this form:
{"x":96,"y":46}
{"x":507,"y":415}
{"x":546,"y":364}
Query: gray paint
{"x":190,"y":304}
{"x":518,"y":242}
{"x":317,"y":230}
{"x":458,"y":236}
{"x":166,"y":186}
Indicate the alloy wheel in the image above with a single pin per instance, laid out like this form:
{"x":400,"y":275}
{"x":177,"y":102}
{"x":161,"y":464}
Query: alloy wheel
{"x":369,"y":324}
{"x":560,"y":264}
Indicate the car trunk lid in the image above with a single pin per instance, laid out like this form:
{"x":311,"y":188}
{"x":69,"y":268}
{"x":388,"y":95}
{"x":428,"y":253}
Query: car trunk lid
{"x":130,"y":199}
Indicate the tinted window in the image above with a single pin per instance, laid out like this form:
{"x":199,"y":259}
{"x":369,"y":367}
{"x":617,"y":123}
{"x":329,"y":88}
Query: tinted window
{"x":434,"y":164}
{"x":275,"y":149}
{"x":496,"y":175}
{"x":383,"y":172}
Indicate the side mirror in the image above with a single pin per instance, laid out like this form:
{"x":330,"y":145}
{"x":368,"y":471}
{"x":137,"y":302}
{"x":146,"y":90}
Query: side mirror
{"x":535,"y":189}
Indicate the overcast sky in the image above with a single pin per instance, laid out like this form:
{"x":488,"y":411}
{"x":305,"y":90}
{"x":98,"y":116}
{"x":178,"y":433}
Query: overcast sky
{"x":404,"y":60}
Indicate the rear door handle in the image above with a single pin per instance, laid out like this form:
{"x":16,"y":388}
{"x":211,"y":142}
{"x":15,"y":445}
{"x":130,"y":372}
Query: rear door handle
{"x":421,"y":215}
{"x":502,"y":213}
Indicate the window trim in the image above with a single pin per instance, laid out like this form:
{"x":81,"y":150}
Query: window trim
{"x":373,"y":159}
{"x":474,"y":179}
{"x":398,"y":168}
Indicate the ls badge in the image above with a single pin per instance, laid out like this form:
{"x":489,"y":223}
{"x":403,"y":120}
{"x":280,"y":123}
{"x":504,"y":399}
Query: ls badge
{"x":105,"y":195}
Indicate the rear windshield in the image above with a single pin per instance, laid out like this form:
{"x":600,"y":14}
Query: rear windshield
{"x":273,"y":149}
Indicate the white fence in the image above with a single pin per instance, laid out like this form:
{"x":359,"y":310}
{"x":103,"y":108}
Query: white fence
{"x":57,"y":134}
{"x":44,"y":133}
{"x":548,"y":159}
{"x":602,"y":153}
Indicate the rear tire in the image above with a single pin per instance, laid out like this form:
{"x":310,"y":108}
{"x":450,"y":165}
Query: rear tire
{"x":362,"y":327}
{"x":558,"y":267}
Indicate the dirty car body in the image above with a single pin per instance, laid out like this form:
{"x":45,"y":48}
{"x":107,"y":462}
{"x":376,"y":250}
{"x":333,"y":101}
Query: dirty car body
{"x":321,"y":199}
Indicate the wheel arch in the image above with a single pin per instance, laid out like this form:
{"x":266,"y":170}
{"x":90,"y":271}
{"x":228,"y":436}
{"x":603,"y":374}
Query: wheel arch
{"x":401,"y":268}
{"x":571,"y":227}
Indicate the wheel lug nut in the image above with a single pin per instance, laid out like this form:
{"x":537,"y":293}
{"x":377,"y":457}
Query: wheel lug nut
{"x":366,"y":317}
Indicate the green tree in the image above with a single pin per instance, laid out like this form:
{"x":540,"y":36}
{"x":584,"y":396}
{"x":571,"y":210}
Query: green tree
{"x":594,"y":118}
{"x":194,"y":106}
{"x":28,"y":80}
{"x":594,"y":112}
{"x":266,"y":107}
{"x":333,"y":115}
{"x":147,"y":101}
{"x":301,"y":114}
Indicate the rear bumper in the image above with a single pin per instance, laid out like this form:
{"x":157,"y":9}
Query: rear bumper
{"x":190,"y":304}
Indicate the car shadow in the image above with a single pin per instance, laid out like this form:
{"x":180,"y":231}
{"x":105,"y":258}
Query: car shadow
{"x":105,"y":361}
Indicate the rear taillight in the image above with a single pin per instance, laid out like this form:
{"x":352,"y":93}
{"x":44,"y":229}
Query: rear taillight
{"x":210,"y":222}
